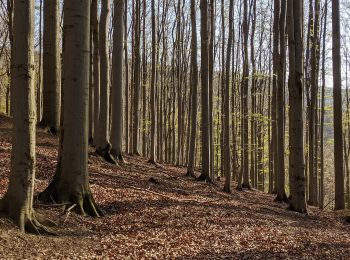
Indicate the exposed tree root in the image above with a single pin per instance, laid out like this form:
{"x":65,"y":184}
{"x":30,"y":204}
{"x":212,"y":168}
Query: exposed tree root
{"x":281,"y":199}
{"x":191,"y":174}
{"x":87,"y":206}
{"x":227,"y":189}
{"x":246,"y":186}
{"x":118,"y":156}
{"x":203,"y":177}
{"x":27,"y":220}
{"x":136,"y":153}
{"x":105,"y":153}
{"x":83,"y":199}
{"x":291,"y":208}
{"x":39,"y":225}
{"x":49,"y":129}
{"x":154,"y":162}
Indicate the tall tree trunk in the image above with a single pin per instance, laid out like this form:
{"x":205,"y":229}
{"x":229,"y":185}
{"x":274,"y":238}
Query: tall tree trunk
{"x":275,"y":58}
{"x":103,"y":145}
{"x":71,"y":183}
{"x":9,"y":95}
{"x":323,"y":105}
{"x":96,"y":67}
{"x":153,"y":158}
{"x":136,"y":83}
{"x":91,"y":83}
{"x":211,"y":84}
{"x":144,"y":81}
{"x":226,"y":112}
{"x":194,"y":90}
{"x":338,"y":120}
{"x":117,"y":82}
{"x":205,"y":174}
{"x":17,"y":204}
{"x":126,"y":60}
{"x":51,"y":67}
{"x":296,"y":142}
{"x":313,"y":193}
{"x":244,"y":181}
{"x":280,"y":104}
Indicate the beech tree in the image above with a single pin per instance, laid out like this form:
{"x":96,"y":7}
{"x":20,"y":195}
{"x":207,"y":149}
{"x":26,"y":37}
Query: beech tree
{"x":194,"y":90}
{"x":51,"y":67}
{"x":296,"y":137}
{"x":17,"y":204}
{"x":96,"y":66}
{"x":337,"y":95}
{"x":117,"y":82}
{"x":71,"y":183}
{"x":205,"y":174}
{"x":153,"y":87}
{"x":102,"y":143}
{"x":226,"y":130}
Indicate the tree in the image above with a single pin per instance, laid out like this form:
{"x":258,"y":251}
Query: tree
{"x":226,"y":112}
{"x":280,"y":103}
{"x":102,"y":143}
{"x":17,"y":204}
{"x":96,"y":66}
{"x":244,"y":175}
{"x":205,"y":174}
{"x":313,"y":133}
{"x":153,"y":86}
{"x":338,"y":119}
{"x":51,"y":68}
{"x":117,"y":82}
{"x":136,"y":83}
{"x":194,"y":91}
{"x":296,"y":142}
{"x":71,"y":182}
{"x":322,"y":117}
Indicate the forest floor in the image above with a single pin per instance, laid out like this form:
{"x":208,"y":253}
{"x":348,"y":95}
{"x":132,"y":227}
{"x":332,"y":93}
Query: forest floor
{"x":157,"y":213}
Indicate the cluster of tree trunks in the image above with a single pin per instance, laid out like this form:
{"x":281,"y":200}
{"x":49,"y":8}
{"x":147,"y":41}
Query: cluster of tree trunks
{"x":229,"y":120}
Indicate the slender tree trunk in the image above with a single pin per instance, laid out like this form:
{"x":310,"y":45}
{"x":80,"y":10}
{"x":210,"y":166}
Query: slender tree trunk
{"x":226,"y":112}
{"x":338,"y":120}
{"x":126,"y":60}
{"x":323,"y":105}
{"x":153,"y":87}
{"x":244,"y":181}
{"x":51,"y":67}
{"x":136,"y":85}
{"x":280,"y":104}
{"x":194,"y":90}
{"x":144,"y":81}
{"x":117,"y":82}
{"x":91,"y":83}
{"x":205,"y":174}
{"x":96,"y":68}
{"x":102,"y":143}
{"x":9,"y":95}
{"x":296,"y":142}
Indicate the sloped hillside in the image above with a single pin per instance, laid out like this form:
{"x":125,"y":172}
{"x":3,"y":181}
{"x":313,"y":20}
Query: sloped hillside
{"x":157,"y":213}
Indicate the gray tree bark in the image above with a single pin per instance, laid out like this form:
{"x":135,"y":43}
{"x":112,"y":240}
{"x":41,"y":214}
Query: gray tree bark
{"x":205,"y":174}
{"x":51,"y":67}
{"x":296,"y":135}
{"x":102,"y":143}
{"x":71,"y":182}
{"x":117,"y":82}
{"x":338,"y":118}
{"x":17,"y":204}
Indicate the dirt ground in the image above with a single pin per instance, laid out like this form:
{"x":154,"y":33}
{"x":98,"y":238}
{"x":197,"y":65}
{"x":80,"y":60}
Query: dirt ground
{"x":157,"y":213}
